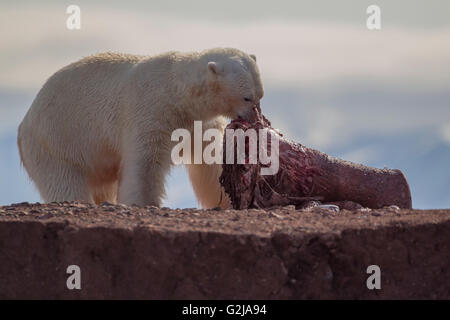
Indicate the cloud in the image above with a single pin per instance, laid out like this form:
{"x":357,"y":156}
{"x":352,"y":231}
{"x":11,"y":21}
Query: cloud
{"x":290,"y":53}
{"x":325,"y":126}
{"x":179,"y":190}
{"x":445,"y":132}
{"x":365,"y":155}
{"x":330,"y":83}
{"x":331,"y":119}
{"x":13,"y":106}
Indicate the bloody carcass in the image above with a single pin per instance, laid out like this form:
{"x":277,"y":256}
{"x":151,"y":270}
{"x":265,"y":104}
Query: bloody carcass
{"x":304,"y":175}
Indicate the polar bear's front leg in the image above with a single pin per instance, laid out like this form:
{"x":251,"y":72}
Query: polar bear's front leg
{"x":205,"y":177}
{"x":144,"y":170}
{"x":205,"y":182}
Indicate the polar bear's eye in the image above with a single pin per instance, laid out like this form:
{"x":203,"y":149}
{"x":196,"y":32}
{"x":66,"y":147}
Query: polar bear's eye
{"x":247,"y":99}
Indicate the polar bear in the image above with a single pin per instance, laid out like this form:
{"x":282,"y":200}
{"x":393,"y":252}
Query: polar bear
{"x":100,"y":128}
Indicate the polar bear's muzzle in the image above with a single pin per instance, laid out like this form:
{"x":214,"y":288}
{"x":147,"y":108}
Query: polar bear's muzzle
{"x":250,"y":114}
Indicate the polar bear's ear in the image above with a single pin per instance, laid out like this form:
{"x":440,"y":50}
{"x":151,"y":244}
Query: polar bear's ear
{"x":253,"y":57}
{"x":212,"y":66}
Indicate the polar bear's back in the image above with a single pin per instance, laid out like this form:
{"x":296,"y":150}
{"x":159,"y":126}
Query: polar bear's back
{"x":80,"y":100}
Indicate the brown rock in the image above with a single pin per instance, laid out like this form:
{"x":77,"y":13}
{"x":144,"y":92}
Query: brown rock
{"x":199,"y":254}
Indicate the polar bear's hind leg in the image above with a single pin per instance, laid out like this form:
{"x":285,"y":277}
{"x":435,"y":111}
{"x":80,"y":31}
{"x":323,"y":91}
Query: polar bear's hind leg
{"x":55,"y":180}
{"x":67,"y":183}
{"x":106,"y":193}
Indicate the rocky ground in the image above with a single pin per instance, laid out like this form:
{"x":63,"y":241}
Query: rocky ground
{"x":278,"y":253}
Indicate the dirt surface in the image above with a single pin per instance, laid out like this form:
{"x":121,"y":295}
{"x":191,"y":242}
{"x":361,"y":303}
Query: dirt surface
{"x":277,"y":253}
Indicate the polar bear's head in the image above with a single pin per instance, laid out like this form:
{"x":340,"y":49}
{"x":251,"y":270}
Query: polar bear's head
{"x":233,"y":82}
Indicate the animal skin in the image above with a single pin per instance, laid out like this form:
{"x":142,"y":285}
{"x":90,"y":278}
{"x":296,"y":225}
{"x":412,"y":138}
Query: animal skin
{"x":100,"y":128}
{"x":307,"y":176}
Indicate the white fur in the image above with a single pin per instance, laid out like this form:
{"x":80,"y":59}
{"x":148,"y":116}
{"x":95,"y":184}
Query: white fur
{"x":100,"y":128}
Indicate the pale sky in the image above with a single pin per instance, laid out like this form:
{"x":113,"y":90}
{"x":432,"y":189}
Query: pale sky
{"x":320,"y":54}
{"x":330,"y":46}
{"x":327,"y":78}
{"x":409,"y":13}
